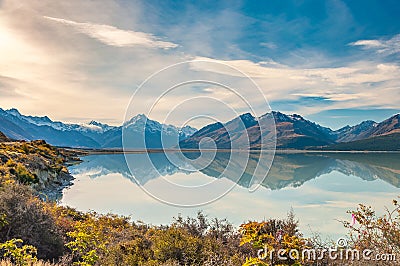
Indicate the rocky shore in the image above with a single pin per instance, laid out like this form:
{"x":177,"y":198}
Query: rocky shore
{"x":37,"y":164}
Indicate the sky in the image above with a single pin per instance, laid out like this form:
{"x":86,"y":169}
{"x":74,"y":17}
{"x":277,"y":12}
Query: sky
{"x":334,"y":62}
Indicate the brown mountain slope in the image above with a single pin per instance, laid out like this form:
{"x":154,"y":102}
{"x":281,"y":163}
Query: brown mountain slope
{"x":368,"y":129}
{"x":389,"y":126}
{"x":292,"y":132}
{"x":3,"y":138}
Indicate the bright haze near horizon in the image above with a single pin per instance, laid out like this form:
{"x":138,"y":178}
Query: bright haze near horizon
{"x":333,"y":62}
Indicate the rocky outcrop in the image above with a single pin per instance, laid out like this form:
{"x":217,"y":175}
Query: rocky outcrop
{"x":51,"y":181}
{"x":38,"y":164}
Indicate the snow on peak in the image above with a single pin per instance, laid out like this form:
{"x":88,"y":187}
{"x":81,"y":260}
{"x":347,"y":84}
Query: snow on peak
{"x":141,"y":121}
{"x":280,"y":117}
{"x":296,"y":117}
{"x":97,"y":126}
{"x":14,"y":112}
{"x":188,"y":130}
{"x":36,"y":120}
{"x":137,"y":119}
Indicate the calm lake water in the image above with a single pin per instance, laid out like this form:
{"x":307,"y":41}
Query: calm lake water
{"x":320,"y":188}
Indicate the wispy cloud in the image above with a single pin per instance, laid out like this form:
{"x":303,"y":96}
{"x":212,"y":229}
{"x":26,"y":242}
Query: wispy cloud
{"x":8,"y":87}
{"x":355,"y":85}
{"x":269,"y":45}
{"x":113,"y":36}
{"x":390,"y":46}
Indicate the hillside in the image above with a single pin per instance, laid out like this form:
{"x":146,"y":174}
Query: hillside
{"x":232,"y":134}
{"x":368,"y":129}
{"x":292,"y":132}
{"x":3,"y":138}
{"x":295,"y":132}
{"x":37,"y":164}
{"x":388,"y":142}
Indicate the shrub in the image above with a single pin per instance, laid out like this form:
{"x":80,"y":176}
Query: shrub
{"x":20,"y":254}
{"x":24,"y":176}
{"x":25,"y":148}
{"x":379,"y":233}
{"x":178,"y":244}
{"x":27,"y":219}
{"x":272,"y":235}
{"x":11,"y":163}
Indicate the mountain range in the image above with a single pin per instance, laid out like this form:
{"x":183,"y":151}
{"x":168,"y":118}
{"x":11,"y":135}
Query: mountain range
{"x":93,"y":134}
{"x":296,"y":132}
{"x":292,"y":132}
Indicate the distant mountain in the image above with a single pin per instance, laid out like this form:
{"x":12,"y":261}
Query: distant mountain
{"x":360,"y":131}
{"x":141,"y":132}
{"x":17,"y":126}
{"x":218,"y":132}
{"x":295,"y":132}
{"x":389,"y":126}
{"x":292,"y":131}
{"x":368,"y":129}
{"x":92,"y":135}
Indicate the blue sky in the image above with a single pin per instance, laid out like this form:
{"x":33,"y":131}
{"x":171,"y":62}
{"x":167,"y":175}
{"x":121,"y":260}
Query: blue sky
{"x":280,"y":29}
{"x":335,"y":62}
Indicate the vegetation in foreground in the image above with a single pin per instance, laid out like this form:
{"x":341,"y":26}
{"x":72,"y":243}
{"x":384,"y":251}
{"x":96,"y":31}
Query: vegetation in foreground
{"x":37,"y":232}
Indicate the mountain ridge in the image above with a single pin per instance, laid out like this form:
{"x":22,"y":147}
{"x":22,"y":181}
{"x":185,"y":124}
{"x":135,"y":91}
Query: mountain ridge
{"x":292,"y":132}
{"x":91,"y":135}
{"x":295,"y":132}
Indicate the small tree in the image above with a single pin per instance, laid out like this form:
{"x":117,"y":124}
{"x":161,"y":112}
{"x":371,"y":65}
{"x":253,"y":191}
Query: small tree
{"x":379,"y":233}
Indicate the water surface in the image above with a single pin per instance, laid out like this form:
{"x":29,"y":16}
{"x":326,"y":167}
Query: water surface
{"x":320,"y":188}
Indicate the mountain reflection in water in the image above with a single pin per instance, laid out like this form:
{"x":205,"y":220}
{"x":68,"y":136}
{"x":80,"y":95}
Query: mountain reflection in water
{"x":287,"y":170}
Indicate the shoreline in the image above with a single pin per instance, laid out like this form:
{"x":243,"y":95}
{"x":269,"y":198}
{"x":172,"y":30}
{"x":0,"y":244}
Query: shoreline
{"x":86,"y":152}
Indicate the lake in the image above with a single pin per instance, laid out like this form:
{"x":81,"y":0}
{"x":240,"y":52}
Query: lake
{"x":320,"y":188}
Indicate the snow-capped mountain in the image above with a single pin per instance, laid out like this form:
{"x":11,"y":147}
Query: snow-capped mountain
{"x":292,"y":132}
{"x":187,"y":131}
{"x":46,"y":121}
{"x":357,"y":132}
{"x":368,"y":129}
{"x":140,"y":132}
{"x":97,"y":126}
{"x":91,"y":135}
{"x":141,"y":121}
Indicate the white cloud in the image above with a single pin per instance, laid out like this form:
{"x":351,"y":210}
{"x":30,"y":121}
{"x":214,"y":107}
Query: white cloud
{"x":359,"y":73}
{"x":390,"y":46}
{"x":113,"y":36}
{"x":269,"y":45}
{"x":355,"y":85}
